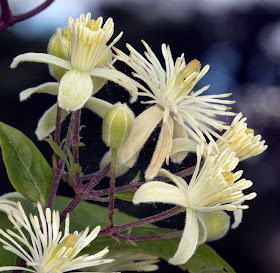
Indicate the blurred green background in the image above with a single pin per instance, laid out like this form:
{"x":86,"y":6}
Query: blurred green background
{"x":240,"y":39}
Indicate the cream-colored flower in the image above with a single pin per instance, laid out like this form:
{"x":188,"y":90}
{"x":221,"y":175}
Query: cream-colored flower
{"x":7,"y":205}
{"x":238,"y":138}
{"x":88,"y":39}
{"x":214,"y":188}
{"x":242,"y":139}
{"x":129,"y":260}
{"x":48,"y":250}
{"x":182,"y":111}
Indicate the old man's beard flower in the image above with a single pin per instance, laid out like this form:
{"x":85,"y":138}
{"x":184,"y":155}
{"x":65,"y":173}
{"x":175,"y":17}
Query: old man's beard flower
{"x":48,"y":250}
{"x":239,"y":138}
{"x":242,"y":140}
{"x":85,"y":63}
{"x":213,"y":188}
{"x":182,"y":112}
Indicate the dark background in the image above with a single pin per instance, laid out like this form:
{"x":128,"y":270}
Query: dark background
{"x":241,"y":42}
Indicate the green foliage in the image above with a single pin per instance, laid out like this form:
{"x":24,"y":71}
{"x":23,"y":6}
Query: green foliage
{"x":28,"y":170}
{"x":126,"y":196}
{"x":58,"y":151}
{"x":204,"y":260}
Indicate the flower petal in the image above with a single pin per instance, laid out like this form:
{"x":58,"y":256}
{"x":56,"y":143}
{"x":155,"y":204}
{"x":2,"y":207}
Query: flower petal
{"x":181,"y":147}
{"x":159,"y":192}
{"x":47,"y":122}
{"x":74,"y":90}
{"x":48,"y":87}
{"x":162,"y":150}
{"x":142,"y":128}
{"x":202,"y":229}
{"x":179,"y":181}
{"x":238,"y":213}
{"x":41,"y":58}
{"x":189,"y":240}
{"x":118,"y":77}
{"x":179,"y":132}
{"x":98,"y":106}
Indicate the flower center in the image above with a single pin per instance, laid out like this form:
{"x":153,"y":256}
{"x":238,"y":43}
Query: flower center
{"x":192,"y":66}
{"x":64,"y":248}
{"x":249,"y":131}
{"x":88,"y":41}
{"x":229,"y":177}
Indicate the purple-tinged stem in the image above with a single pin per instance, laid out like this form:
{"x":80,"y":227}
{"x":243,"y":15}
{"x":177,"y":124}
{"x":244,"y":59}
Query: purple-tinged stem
{"x":73,"y":204}
{"x":129,"y":238}
{"x":59,"y":168}
{"x":112,"y":187}
{"x":144,"y":221}
{"x":76,"y":136}
{"x":96,"y":178}
{"x":8,"y":19}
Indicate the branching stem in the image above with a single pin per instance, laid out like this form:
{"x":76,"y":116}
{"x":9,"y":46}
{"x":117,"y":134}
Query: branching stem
{"x":8,"y":19}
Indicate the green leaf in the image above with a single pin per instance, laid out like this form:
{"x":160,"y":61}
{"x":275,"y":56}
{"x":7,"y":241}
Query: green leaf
{"x":207,"y":260}
{"x":126,"y":196}
{"x":27,"y":169}
{"x":58,"y":151}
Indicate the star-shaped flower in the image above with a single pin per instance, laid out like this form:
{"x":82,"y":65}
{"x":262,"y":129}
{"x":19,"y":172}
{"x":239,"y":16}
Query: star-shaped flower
{"x":239,"y":138}
{"x":213,"y":188}
{"x":48,"y":250}
{"x":182,"y":112}
{"x":88,"y":47}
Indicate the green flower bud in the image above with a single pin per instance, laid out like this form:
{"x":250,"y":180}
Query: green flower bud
{"x":217,"y":225}
{"x":59,"y":46}
{"x":117,"y":125}
{"x":120,"y":169}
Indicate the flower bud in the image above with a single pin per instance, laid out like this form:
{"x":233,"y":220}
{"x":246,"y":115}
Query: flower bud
{"x":120,"y":168}
{"x":117,"y":125}
{"x":217,"y":225}
{"x":59,"y":46}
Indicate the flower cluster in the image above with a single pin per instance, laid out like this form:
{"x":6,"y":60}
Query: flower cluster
{"x":81,"y":60}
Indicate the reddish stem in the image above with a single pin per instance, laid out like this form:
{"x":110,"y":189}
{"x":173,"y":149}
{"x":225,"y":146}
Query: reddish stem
{"x":129,"y":238}
{"x":8,"y":19}
{"x":147,"y":220}
{"x":73,"y":204}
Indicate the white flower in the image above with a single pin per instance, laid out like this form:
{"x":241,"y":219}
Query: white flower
{"x":214,"y":188}
{"x":238,"y":138}
{"x":176,"y":105}
{"x":242,"y":140}
{"x":7,"y":205}
{"x":88,"y":41}
{"x":129,"y":260}
{"x":48,"y":250}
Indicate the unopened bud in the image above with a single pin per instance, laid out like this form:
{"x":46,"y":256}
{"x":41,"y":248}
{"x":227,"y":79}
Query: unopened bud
{"x":217,"y":225}
{"x":59,"y":46}
{"x":117,"y":125}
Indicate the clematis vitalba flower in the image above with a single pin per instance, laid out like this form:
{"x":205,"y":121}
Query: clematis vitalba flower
{"x":239,"y":138}
{"x":179,"y":110}
{"x":213,"y":188}
{"x":88,"y":39}
{"x":48,"y":251}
